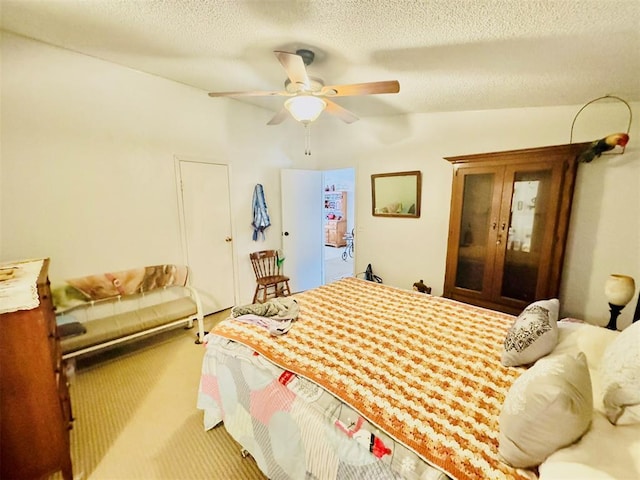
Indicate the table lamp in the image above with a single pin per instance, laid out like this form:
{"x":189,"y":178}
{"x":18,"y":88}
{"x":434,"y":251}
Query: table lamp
{"x":619,"y":290}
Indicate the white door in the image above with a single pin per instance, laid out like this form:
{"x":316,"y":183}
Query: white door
{"x":302,"y":240}
{"x":206,"y":223}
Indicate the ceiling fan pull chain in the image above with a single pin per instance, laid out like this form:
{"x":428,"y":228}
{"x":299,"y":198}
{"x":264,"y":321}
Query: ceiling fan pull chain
{"x":307,"y":139}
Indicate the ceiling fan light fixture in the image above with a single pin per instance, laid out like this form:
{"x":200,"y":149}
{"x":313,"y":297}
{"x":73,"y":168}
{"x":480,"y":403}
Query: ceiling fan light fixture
{"x":305,"y":108}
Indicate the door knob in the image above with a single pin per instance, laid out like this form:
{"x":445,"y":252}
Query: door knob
{"x":286,"y":234}
{"x":228,"y":239}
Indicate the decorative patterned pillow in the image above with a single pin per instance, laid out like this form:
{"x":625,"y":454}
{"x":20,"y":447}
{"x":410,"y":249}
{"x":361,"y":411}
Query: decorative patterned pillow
{"x":620,"y":377}
{"x":534,"y":334}
{"x":548,"y":407}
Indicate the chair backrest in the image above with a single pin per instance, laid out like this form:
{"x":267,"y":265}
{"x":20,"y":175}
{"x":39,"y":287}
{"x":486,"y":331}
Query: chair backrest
{"x":265,"y":263}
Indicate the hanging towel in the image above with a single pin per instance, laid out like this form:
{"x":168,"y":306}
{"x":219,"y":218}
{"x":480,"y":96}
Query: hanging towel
{"x":260,"y":213}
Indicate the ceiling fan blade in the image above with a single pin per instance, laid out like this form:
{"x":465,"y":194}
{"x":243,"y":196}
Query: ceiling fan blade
{"x":370,"y":88}
{"x":340,"y":112}
{"x":294,"y":66}
{"x":279,"y":117}
{"x":249,"y":94}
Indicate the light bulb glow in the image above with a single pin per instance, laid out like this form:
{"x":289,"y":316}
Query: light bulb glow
{"x":305,"y":108}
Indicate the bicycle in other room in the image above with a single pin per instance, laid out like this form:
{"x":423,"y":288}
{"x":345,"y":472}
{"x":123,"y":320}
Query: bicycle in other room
{"x":348,"y":249}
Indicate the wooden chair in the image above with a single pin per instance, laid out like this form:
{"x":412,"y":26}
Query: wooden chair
{"x":269,"y":279}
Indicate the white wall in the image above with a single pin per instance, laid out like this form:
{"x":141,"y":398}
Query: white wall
{"x":604,"y":235}
{"x":87,"y":162}
{"x":87,"y":173}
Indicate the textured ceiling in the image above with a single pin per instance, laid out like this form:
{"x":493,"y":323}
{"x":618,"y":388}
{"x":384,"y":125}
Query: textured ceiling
{"x":448,"y":55}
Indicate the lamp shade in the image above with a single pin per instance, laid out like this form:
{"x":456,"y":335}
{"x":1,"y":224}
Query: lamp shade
{"x":619,"y":289}
{"x":305,"y":108}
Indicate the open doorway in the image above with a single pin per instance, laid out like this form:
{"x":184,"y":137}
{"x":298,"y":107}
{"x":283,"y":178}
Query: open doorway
{"x":338,"y":223}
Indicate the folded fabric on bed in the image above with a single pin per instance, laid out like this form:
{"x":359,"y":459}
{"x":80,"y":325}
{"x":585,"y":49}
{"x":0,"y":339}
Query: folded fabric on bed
{"x":281,"y":308}
{"x":424,"y":369}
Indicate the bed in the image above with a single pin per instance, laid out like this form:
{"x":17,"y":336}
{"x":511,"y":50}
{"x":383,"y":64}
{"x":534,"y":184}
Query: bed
{"x":377,"y":382}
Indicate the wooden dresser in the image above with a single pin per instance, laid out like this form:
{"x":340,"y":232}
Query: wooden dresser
{"x":35,"y":408}
{"x":335,"y":214}
{"x":334,"y":232}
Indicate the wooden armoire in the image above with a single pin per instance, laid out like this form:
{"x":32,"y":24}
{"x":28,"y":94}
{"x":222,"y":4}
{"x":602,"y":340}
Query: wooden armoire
{"x":508,"y":225}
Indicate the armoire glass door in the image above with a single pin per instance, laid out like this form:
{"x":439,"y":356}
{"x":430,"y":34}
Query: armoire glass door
{"x":527,"y":234}
{"x":474,"y":254}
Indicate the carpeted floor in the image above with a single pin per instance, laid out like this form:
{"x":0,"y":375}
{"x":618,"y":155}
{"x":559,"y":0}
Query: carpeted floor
{"x":136,"y":417}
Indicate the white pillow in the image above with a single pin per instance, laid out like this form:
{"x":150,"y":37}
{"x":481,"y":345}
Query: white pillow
{"x":534,"y":334}
{"x":548,"y":407}
{"x":620,"y":377}
{"x":583,"y":337}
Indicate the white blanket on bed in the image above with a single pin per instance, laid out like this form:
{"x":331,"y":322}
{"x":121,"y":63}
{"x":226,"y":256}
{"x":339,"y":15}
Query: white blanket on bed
{"x":606,"y":451}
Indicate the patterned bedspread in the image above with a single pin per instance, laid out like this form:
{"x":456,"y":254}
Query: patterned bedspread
{"x":292,"y":427}
{"x":425,"y":370}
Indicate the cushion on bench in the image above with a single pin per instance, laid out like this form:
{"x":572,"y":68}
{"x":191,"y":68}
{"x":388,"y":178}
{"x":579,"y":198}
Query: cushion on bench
{"x":117,"y":326}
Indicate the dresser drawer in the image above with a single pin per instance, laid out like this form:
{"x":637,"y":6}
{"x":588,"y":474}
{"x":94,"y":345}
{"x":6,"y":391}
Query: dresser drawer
{"x":334,"y":224}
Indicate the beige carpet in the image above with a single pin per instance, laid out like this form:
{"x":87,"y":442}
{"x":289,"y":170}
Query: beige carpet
{"x":136,"y":417}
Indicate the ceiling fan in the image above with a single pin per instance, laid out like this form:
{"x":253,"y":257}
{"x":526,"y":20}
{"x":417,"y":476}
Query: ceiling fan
{"x":309,"y":96}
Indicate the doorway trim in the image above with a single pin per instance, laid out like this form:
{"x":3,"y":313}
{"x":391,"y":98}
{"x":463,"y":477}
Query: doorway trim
{"x":352,"y":213}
